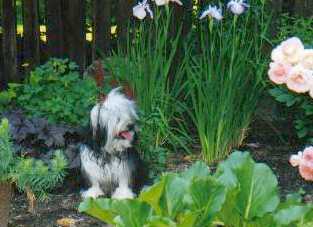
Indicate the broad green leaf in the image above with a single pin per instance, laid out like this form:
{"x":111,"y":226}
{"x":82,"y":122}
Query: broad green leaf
{"x":172,"y":199}
{"x":131,"y":213}
{"x":207,"y":197}
{"x":152,"y":195}
{"x":187,"y":219}
{"x":158,"y":221}
{"x":290,"y":215}
{"x":199,"y":169}
{"x":257,"y":185}
{"x":98,"y":208}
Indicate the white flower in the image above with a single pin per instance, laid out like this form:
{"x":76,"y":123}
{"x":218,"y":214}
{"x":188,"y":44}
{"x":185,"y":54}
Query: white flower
{"x":295,"y":159}
{"x":212,"y":12}
{"x":166,"y":2}
{"x":141,"y":9}
{"x":237,"y":7}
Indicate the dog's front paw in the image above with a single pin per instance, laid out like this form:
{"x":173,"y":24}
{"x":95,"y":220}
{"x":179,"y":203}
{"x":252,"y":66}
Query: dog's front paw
{"x":92,"y":192}
{"x":123,"y":193}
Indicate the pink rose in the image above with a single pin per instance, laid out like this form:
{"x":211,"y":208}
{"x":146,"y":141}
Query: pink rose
{"x":298,"y":79}
{"x":292,"y":49}
{"x":307,"y":59}
{"x":278,"y":72}
{"x":305,"y":162}
{"x":289,"y":51}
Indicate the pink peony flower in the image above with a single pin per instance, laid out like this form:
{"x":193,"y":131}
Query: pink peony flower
{"x":278,"y":72}
{"x":298,"y":79}
{"x":307,"y":59}
{"x":292,"y":50}
{"x":305,"y":162}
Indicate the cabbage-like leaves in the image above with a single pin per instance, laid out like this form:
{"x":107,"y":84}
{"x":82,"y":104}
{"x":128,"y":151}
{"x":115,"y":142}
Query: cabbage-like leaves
{"x":240,"y":193}
{"x":253,"y":187}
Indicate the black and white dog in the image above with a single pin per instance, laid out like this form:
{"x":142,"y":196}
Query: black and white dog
{"x":110,"y":164}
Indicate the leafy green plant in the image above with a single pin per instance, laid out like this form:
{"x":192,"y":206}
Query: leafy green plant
{"x":28,"y":174}
{"x":241,"y":193}
{"x":147,"y":64}
{"x":301,"y":105}
{"x":56,"y":91}
{"x":225,"y":79}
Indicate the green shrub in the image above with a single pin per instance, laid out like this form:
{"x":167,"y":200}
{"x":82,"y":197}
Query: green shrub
{"x":301,"y":105}
{"x":241,"y":193}
{"x":225,"y":79}
{"x":28,"y":174}
{"x":55,"y":91}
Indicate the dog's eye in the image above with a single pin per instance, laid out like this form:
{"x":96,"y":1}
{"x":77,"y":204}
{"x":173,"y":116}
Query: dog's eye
{"x":130,"y":127}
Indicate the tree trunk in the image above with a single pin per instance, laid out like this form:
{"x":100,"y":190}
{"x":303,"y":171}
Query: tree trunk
{"x":9,"y":52}
{"x":76,"y":33}
{"x":101,"y":27}
{"x":5,"y":202}
{"x":31,"y":39}
{"x":54,"y":28}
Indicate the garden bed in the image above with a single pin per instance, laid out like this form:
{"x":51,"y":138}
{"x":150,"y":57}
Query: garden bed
{"x":264,"y":144}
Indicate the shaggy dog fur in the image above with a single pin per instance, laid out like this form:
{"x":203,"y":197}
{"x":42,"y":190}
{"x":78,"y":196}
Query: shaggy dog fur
{"x":110,"y":163}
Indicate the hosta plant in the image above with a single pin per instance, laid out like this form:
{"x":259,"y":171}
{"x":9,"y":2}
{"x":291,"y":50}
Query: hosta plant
{"x":240,"y":193}
{"x":31,"y":176}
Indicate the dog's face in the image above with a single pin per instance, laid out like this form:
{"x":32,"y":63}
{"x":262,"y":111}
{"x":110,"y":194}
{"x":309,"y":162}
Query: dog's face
{"x":114,"y":123}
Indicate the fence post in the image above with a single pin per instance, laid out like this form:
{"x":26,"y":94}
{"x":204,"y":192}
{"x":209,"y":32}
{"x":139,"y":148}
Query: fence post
{"x":75,"y":32}
{"x":101,"y":27}
{"x":303,"y":8}
{"x":9,"y":52}
{"x":31,"y":39}
{"x":54,"y":28}
{"x":124,"y":10}
{"x":277,"y":8}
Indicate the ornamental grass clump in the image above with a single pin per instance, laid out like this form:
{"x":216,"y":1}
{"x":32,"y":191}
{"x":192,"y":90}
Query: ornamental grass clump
{"x":147,"y":64}
{"x":225,"y":75}
{"x":31,"y":176}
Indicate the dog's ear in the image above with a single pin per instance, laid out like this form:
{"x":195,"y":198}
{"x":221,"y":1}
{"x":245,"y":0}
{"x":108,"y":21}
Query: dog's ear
{"x":99,"y":137}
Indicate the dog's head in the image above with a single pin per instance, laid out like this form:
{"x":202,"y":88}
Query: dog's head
{"x":114,"y":122}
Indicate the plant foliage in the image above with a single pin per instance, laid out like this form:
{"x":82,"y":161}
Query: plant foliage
{"x":55,"y":91}
{"x":28,"y":173}
{"x":241,"y":193}
{"x":225,"y":74}
{"x":148,"y":64}
{"x":301,"y":104}
{"x":36,"y":131}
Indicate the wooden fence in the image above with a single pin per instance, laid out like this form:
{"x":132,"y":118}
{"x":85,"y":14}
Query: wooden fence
{"x":66,"y":22}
